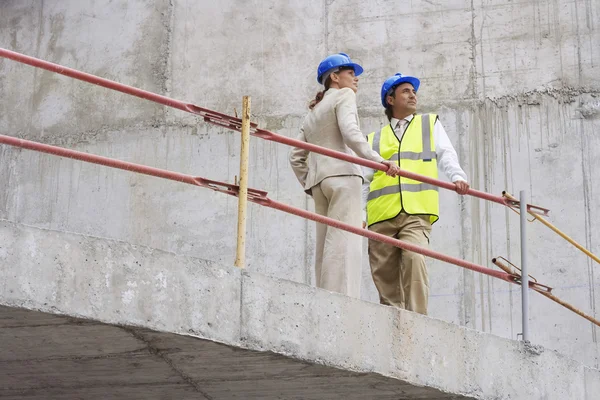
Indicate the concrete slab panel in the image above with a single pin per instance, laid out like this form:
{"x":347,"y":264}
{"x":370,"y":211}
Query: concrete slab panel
{"x":29,"y":343}
{"x":114,"y":280}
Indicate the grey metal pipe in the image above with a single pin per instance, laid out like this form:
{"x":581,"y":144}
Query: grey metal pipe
{"x":524,"y":272}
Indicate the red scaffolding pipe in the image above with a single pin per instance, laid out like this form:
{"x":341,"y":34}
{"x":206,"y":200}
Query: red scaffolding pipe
{"x":255,"y":196}
{"x":234,"y":123}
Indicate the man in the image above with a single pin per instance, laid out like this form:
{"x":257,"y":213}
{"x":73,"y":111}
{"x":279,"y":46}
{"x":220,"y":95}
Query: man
{"x":403,"y":208}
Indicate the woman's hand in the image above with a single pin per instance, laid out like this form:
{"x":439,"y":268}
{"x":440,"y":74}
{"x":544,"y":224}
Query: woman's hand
{"x":393,"y":168}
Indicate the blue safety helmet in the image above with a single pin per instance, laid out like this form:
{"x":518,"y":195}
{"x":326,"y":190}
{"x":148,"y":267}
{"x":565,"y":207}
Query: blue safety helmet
{"x":390,"y":84}
{"x":336,"y":61}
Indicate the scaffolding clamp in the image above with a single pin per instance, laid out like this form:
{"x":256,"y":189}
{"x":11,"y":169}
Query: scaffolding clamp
{"x":230,"y":189}
{"x":515,"y":271}
{"x":514,"y":204}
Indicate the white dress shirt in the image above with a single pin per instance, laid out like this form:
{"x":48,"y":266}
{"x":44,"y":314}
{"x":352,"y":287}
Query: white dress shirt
{"x":447,"y":159}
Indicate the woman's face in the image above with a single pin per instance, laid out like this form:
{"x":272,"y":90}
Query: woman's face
{"x":345,"y":78}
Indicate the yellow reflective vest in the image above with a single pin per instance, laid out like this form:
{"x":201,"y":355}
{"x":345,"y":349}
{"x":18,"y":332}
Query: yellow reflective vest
{"x":415,"y":153}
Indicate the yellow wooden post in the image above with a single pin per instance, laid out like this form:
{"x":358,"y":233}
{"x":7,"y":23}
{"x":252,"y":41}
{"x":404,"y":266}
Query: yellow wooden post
{"x":566,"y":237}
{"x":558,"y":231}
{"x":549,"y":295}
{"x":240,"y":254}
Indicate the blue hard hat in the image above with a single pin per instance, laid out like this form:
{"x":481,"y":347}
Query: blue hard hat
{"x":336,"y":61}
{"x":393,"y":81}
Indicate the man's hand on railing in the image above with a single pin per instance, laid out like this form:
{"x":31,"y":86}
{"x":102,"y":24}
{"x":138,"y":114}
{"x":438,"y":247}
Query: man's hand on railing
{"x":393,"y":168}
{"x":462,"y":187}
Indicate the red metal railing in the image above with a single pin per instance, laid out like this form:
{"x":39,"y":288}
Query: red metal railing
{"x":259,"y":196}
{"x":230,"y":122}
{"x":255,"y":196}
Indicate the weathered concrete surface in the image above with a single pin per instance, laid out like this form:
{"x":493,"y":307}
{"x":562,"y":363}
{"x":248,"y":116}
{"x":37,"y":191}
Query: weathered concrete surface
{"x":45,"y":356}
{"x":516,"y":85}
{"x":379,"y":352}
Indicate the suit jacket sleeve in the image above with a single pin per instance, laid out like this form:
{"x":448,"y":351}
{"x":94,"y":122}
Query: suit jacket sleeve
{"x":298,"y":159}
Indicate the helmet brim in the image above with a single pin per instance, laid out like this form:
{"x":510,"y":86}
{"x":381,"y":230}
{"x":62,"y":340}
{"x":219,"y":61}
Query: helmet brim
{"x":415,"y":82}
{"x":357,"y":70}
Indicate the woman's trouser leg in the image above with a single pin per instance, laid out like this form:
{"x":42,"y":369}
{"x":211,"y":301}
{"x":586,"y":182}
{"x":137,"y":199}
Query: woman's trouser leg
{"x":339,"y":268}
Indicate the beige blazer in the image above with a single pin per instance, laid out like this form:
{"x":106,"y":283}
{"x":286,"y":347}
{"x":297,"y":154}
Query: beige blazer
{"x":334,"y":124}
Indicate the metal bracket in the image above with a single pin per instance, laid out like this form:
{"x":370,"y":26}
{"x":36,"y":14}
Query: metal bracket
{"x":514,"y":204}
{"x":229,"y":188}
{"x":516,"y":211}
{"x":227,"y":121}
{"x":533,"y":284}
{"x":217,"y":118}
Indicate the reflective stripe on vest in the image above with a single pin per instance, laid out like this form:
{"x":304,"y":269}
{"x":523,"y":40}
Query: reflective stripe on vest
{"x":406,"y":187}
{"x":409,"y":155}
{"x":415,"y":152}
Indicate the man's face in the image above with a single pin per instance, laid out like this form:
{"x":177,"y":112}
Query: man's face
{"x":404,"y":101}
{"x":346,"y":78}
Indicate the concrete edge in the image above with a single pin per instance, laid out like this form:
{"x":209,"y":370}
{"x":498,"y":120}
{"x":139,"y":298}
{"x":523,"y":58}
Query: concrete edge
{"x":118,"y":283}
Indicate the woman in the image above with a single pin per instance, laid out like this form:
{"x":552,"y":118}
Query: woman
{"x":335,"y":185}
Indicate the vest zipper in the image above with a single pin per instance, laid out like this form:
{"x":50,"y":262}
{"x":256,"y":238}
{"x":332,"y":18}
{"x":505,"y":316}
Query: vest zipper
{"x":399,"y":149}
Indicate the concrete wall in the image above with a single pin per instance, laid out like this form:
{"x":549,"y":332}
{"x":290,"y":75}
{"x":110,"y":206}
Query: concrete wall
{"x":124,"y":284}
{"x":516,"y":84}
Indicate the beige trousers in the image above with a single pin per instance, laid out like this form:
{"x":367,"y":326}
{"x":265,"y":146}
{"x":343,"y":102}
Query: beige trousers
{"x":401,"y":276}
{"x":339,"y":253}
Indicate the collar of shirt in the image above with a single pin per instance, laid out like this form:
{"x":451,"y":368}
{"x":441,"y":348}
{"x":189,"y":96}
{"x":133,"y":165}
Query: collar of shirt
{"x":394,"y":121}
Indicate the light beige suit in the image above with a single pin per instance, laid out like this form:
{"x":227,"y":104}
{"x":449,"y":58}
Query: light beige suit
{"x":335,"y":186}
